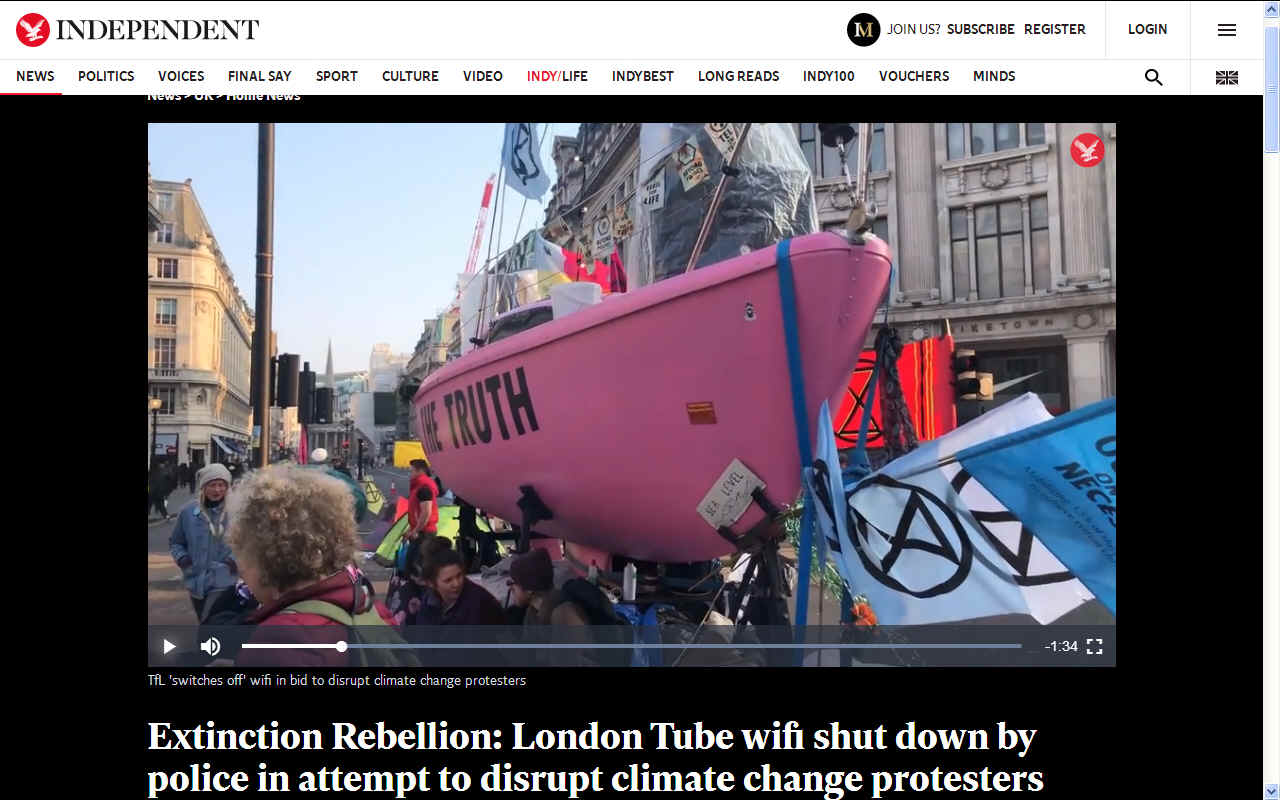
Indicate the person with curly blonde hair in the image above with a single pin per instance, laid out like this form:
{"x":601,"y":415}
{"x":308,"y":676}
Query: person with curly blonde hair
{"x":294,"y":538}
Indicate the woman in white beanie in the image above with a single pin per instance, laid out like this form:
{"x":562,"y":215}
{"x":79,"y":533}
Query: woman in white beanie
{"x":198,"y":542}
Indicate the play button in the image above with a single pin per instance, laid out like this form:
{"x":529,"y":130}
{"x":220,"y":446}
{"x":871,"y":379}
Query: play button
{"x":168,"y":645}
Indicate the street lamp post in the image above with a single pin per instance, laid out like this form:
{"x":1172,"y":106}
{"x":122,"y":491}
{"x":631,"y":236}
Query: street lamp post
{"x":153,"y":404}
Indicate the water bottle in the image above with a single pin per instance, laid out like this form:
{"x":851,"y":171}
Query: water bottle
{"x":629,"y":583}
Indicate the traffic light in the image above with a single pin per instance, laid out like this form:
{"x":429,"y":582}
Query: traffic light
{"x":971,"y":384}
{"x":287,"y":380}
{"x":306,"y":395}
{"x":323,"y":413}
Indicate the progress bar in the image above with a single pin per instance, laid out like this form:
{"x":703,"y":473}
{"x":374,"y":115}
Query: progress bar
{"x":343,"y":646}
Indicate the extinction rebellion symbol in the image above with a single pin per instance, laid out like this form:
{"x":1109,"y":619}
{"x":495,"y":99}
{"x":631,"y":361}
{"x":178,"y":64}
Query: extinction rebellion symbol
{"x":524,"y":162}
{"x":932,"y":543}
{"x":927,"y":526}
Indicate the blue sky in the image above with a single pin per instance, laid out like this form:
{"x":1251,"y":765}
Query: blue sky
{"x":373,"y":222}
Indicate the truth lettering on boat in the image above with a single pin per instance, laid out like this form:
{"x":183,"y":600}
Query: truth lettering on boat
{"x":498,"y":405}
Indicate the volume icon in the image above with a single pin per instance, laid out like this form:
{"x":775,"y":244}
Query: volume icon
{"x":211,"y":646}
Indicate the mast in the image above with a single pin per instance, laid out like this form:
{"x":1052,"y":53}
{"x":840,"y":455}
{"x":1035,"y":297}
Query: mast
{"x":478,"y":238}
{"x":717,"y":198}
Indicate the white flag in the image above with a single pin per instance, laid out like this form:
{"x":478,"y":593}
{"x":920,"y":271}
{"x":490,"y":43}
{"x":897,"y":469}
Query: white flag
{"x":523,"y":162}
{"x":937,"y":547}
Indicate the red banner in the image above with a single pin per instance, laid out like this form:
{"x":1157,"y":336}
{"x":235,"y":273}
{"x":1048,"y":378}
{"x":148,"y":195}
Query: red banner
{"x":925,"y":371}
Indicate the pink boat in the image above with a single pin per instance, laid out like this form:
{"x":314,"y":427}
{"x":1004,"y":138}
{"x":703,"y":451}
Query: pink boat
{"x":623,"y":415}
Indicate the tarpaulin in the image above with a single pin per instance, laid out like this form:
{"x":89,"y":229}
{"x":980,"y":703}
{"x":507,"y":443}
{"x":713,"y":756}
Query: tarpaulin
{"x":408,"y":451}
{"x":771,"y":199}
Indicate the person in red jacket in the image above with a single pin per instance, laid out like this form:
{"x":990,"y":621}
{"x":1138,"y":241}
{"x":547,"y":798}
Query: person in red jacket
{"x":424,"y":511}
{"x":294,"y":544}
{"x":420,"y":478}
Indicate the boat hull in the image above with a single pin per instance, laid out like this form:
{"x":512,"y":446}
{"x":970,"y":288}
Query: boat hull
{"x":623,"y":416}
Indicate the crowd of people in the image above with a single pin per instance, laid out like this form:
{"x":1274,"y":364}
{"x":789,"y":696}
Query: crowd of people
{"x":279,"y":553}
{"x":164,"y":479}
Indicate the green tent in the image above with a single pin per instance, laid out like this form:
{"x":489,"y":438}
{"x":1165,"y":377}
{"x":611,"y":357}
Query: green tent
{"x":386,"y":552}
{"x":357,"y":492}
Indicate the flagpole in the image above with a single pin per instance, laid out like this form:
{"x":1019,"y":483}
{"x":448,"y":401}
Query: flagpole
{"x":1050,"y":425}
{"x":942,"y":462}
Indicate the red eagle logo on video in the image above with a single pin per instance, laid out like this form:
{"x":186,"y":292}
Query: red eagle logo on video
{"x":1087,"y":150}
{"x":33,"y":30}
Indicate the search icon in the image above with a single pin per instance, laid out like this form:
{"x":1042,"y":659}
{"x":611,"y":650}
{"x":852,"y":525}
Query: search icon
{"x":1153,"y":76}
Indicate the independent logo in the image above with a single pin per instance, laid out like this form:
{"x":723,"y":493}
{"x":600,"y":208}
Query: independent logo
{"x":33,"y":30}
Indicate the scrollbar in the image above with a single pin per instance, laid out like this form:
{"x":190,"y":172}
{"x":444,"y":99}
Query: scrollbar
{"x":1271,"y":91}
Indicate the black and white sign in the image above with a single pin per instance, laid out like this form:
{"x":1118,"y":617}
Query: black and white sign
{"x":723,"y":135}
{"x":655,"y":195}
{"x":730,"y":496}
{"x":602,"y":239}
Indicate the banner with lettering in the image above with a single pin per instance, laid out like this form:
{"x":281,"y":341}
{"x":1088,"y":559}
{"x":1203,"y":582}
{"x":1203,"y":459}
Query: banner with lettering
{"x":688,"y":158}
{"x":928,"y":543}
{"x":655,"y":194}
{"x":1059,"y":478}
{"x":724,"y":136}
{"x":602,"y":236}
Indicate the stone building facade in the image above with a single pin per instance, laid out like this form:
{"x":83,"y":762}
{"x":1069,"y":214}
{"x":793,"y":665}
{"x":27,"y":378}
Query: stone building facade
{"x":199,"y":335}
{"x":998,"y":235}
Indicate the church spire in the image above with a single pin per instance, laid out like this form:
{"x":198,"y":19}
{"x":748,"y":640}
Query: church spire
{"x":328,"y":367}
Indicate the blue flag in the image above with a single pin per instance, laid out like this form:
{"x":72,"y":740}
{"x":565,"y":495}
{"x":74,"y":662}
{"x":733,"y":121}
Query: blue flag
{"x":523,"y":161}
{"x":927,"y":543}
{"x":1059,"y":478}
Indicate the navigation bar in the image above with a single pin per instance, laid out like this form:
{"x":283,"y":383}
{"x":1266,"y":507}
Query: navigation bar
{"x":985,"y":76}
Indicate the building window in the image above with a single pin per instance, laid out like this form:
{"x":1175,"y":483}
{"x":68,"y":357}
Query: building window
{"x":825,"y":161}
{"x":166,"y":396}
{"x":164,"y":202}
{"x":166,"y":311}
{"x":990,"y":137}
{"x":998,"y":246}
{"x":1040,"y":271}
{"x":165,"y":234}
{"x":955,"y":140}
{"x":960,"y":252}
{"x":163,"y":356}
{"x":166,"y":267}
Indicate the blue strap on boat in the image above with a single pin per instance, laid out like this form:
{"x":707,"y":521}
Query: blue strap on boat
{"x":799,"y":405}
